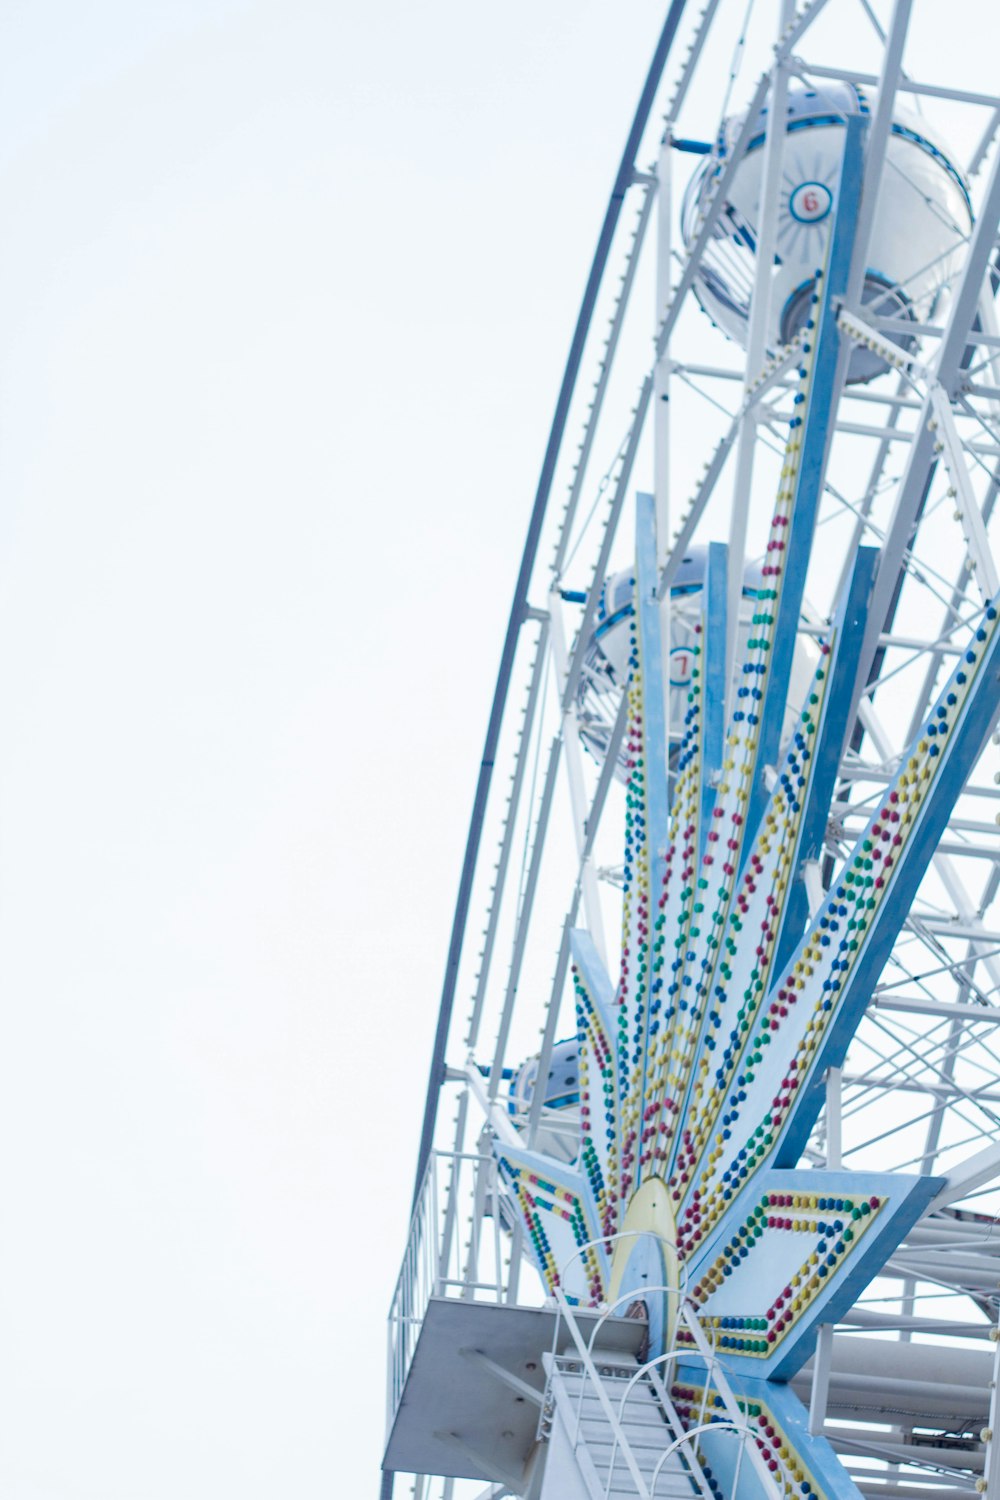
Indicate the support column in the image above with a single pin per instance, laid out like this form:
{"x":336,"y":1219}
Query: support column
{"x":661,"y":407}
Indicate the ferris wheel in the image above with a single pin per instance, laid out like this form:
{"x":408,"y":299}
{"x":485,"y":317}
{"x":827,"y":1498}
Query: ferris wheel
{"x":708,"y":1181}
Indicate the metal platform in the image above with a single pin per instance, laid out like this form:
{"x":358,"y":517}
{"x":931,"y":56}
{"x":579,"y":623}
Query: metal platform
{"x":470,"y":1405}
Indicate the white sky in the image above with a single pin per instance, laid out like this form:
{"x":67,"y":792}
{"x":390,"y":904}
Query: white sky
{"x":285,"y":289}
{"x":285,"y":292}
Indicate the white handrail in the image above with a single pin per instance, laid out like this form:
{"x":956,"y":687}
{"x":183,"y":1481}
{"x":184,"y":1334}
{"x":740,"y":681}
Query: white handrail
{"x":634,"y":1296}
{"x":433,"y":1263}
{"x":729,"y":1401}
{"x":661,"y":1359}
{"x":590,"y":1371}
{"x":674,"y":1422}
{"x":637,"y":1376}
{"x":610,"y":1239}
{"x":740,"y":1428}
{"x":600,"y":1324}
{"x":736,"y":1423}
{"x":706,"y":1352}
{"x":603,"y":1239}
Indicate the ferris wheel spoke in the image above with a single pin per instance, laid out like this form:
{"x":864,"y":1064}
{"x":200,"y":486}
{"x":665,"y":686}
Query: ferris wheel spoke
{"x":770,"y":903}
{"x":910,"y":818}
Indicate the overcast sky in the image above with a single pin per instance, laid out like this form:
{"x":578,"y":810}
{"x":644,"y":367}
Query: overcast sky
{"x":285,"y":291}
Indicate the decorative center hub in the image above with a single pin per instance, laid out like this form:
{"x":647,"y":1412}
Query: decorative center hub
{"x":645,"y":1262}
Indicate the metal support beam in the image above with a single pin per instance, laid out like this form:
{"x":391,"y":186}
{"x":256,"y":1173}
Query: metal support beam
{"x":573,"y":761}
{"x":623,"y":180}
{"x":524,"y":915}
{"x":912,"y":492}
{"x":820,"y":1378}
{"x":967,"y":511}
{"x":919,"y":1006}
{"x":760,"y":307}
{"x":812,"y":462}
{"x":991,"y":1433}
{"x":969,"y":1175}
{"x":482,"y":1463}
{"x":505,"y":1377}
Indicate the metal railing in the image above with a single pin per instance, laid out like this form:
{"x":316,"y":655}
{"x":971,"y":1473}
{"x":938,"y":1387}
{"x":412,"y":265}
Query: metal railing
{"x":441,"y":1262}
{"x":682,"y":1442}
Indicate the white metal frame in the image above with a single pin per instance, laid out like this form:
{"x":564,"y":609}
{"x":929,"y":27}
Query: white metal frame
{"x":930,"y":1033}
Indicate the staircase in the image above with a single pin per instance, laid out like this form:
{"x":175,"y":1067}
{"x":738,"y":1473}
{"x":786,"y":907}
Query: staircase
{"x":613,"y":1430}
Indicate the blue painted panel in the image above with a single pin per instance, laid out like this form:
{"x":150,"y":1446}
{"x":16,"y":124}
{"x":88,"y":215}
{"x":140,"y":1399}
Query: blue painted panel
{"x":646,"y":838}
{"x":560,"y":1218}
{"x":713,"y":650}
{"x":814,"y":1007}
{"x":757,"y":1293}
{"x":847,"y":637}
{"x":779,"y":1418}
{"x":600,"y":1112}
{"x":817,"y":427}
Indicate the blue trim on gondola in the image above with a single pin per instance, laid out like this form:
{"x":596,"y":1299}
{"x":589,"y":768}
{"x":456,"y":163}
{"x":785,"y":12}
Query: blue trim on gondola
{"x":904,"y":132}
{"x":625,"y":613}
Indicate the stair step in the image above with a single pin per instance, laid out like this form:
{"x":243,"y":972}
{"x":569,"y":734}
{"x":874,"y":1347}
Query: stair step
{"x":639,"y":1442}
{"x":602,"y":1446}
{"x":645,"y":1420}
{"x":646,"y":1430}
{"x":668,"y":1485}
{"x":595,"y":1422}
{"x":652,"y":1431}
{"x":637,"y":1400}
{"x":664,"y":1491}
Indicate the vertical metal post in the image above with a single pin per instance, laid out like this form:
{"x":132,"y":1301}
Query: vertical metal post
{"x":834,"y":1134}
{"x":514,"y":1272}
{"x":451,"y":1203}
{"x":519,"y":607}
{"x":661,"y":408}
{"x":661,"y":415}
{"x":760,"y":309}
{"x":824,"y":1341}
{"x":431,"y":1225}
{"x":538,"y":675}
{"x":878,"y":139}
{"x":820,"y":1378}
{"x":990,"y":1435}
{"x":497,"y":1241}
{"x":524,"y":919}
{"x":573,"y":759}
{"x":470,"y":1272}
